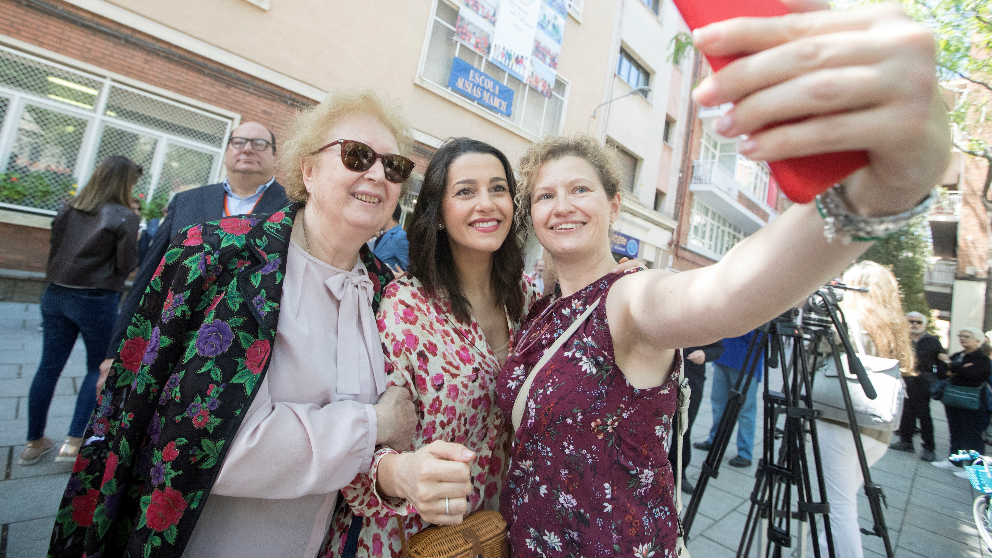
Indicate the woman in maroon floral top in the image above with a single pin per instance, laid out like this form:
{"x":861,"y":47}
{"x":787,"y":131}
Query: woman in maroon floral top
{"x":588,"y":472}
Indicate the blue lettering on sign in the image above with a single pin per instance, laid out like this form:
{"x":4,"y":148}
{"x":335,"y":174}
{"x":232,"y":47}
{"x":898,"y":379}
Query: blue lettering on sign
{"x":480,"y":87}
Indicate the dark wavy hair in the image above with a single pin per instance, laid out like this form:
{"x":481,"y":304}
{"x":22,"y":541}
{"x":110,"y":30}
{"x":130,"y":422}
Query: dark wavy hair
{"x":430,"y":254}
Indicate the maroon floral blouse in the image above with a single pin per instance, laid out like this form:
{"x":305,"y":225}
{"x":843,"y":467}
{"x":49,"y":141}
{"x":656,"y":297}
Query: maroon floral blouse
{"x":589,"y":472}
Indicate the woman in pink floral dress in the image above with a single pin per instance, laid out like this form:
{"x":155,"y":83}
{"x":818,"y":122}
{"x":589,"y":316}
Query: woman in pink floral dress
{"x":446,"y":330}
{"x":588,"y":472}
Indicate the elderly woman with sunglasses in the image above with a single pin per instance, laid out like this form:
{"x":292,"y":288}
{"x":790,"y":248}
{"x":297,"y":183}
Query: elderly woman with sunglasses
{"x":243,"y":396}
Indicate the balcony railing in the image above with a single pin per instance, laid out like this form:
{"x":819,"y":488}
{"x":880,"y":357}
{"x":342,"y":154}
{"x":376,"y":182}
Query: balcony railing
{"x":948,"y":204}
{"x":710,"y":172}
{"x":940,"y":274}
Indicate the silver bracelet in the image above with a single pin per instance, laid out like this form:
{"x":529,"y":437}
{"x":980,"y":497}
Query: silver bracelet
{"x":840,"y":222}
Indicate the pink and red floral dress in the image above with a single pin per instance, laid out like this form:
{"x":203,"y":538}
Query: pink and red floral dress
{"x":450,"y":370}
{"x":589,"y":473}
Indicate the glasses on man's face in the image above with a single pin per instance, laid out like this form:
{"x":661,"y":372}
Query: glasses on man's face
{"x":358,"y":157}
{"x":915,"y":322}
{"x":257,"y":144}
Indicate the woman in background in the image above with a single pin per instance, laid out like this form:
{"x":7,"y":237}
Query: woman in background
{"x":885,"y":333}
{"x":93,"y":249}
{"x":968,"y":367}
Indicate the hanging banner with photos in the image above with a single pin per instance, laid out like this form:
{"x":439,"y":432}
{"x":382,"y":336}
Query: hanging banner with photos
{"x":523,"y":37}
{"x":547,"y":46}
{"x":513,"y":36}
{"x":474,"y":28}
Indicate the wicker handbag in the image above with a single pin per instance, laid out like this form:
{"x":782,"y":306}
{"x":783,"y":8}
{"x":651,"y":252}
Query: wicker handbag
{"x":482,"y":534}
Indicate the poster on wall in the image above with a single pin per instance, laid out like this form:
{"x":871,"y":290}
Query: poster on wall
{"x":475,"y":24}
{"x":513,"y":36}
{"x":523,"y":37}
{"x":547,"y":46}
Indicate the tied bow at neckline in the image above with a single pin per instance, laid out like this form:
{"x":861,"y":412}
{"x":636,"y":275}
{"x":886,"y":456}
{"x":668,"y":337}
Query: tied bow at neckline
{"x":354,"y":292}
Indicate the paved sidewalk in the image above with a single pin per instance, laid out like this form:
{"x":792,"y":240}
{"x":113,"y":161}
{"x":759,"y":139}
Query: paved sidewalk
{"x":929,"y":511}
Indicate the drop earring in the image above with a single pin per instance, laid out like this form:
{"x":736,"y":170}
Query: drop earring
{"x":440,"y":226}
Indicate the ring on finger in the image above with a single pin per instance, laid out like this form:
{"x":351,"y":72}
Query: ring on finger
{"x":447,"y":510}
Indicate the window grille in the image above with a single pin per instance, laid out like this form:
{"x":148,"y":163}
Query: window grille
{"x":754,"y":177}
{"x":47,"y":81}
{"x":39,"y":168}
{"x":136,"y":146}
{"x":536,"y":114}
{"x":139,"y":108}
{"x":58,"y":123}
{"x":712,"y":232}
{"x":184,"y":167}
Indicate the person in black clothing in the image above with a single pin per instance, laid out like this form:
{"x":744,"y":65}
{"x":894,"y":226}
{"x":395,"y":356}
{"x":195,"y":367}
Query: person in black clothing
{"x":250,"y":187}
{"x":695,"y":373}
{"x":969,"y":367}
{"x":93,"y":249}
{"x":917,"y":403}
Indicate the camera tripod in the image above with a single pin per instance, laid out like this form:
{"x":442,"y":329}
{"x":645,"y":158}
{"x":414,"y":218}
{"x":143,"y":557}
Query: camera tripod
{"x":785,"y":477}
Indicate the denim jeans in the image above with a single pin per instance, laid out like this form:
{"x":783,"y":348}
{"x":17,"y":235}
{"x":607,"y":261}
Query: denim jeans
{"x":65,"y":314}
{"x":724,"y":379}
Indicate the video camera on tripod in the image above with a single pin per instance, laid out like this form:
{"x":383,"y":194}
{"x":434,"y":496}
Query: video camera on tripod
{"x":784,"y":477}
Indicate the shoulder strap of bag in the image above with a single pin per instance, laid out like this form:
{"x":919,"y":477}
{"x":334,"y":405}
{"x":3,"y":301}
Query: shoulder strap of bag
{"x":524,"y":393}
{"x":854,"y":326}
{"x":682,"y":411}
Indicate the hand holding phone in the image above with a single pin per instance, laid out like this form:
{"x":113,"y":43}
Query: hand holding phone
{"x":801,"y":178}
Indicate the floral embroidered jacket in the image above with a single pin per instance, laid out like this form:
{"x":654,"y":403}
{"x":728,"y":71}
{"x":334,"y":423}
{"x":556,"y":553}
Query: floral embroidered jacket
{"x":184,"y":377}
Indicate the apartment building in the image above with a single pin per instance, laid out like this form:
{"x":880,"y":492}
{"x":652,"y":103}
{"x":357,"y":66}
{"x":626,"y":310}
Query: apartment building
{"x":164,"y":83}
{"x":722,"y":196}
{"x":957,"y":280}
{"x":640,"y":116}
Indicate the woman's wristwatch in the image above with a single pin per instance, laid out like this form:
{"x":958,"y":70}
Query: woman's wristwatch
{"x":840,"y":222}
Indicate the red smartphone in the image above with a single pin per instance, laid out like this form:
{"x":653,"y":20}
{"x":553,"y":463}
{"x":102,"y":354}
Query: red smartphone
{"x":801,"y":178}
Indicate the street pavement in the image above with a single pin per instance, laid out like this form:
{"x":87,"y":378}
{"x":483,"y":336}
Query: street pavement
{"x":929,"y":509}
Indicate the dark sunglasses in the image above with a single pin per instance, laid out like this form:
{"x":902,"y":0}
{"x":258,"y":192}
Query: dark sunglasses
{"x":358,"y":157}
{"x":257,"y":144}
{"x":917,"y":322}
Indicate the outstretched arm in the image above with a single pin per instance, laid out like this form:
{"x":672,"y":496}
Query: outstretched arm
{"x":854,"y":80}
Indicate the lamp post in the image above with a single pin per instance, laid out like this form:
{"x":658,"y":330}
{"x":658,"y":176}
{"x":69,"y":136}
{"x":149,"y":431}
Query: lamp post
{"x":642,"y":89}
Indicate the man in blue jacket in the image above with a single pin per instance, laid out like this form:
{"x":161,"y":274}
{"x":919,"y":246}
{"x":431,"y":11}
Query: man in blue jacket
{"x":726,"y":371}
{"x":392,"y":246}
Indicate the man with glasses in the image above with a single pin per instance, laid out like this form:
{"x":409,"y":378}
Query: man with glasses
{"x":250,"y":187}
{"x":917,"y":404}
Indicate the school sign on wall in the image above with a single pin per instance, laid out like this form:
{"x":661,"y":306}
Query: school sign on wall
{"x":479,"y":86}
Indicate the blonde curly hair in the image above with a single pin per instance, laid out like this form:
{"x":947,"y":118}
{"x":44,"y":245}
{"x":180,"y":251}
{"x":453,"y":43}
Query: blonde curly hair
{"x":309,"y":132}
{"x":879,"y":312}
{"x":549,"y":149}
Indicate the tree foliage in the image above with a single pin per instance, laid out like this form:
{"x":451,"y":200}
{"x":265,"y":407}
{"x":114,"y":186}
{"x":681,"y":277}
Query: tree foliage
{"x":906,"y":253}
{"x":964,"y":52}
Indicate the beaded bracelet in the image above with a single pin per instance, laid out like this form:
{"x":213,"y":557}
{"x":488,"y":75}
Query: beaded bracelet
{"x":839,"y":221}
